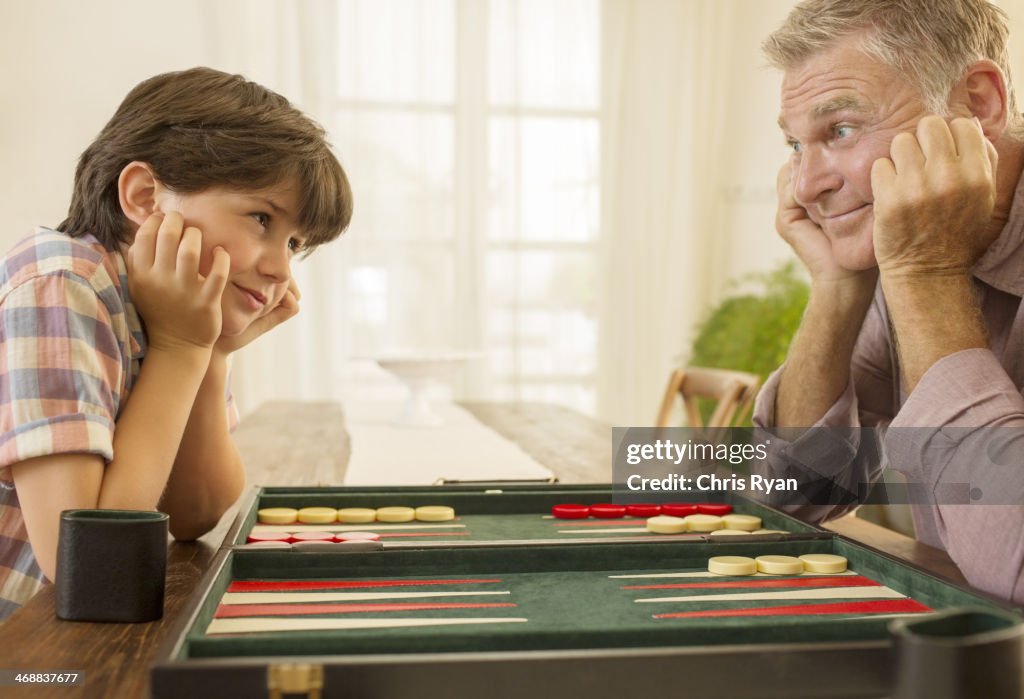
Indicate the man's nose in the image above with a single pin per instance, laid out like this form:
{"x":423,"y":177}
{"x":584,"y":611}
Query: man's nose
{"x":814,"y":175}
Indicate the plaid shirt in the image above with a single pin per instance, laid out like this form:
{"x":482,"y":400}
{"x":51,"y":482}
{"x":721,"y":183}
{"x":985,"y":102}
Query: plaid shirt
{"x":71,"y":344}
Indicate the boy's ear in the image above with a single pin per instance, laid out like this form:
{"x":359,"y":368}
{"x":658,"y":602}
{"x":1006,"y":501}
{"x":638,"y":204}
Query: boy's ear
{"x":138,"y":190}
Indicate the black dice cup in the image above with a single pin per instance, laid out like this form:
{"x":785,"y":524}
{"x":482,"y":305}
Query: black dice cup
{"x":962,"y":653}
{"x":111,"y":565}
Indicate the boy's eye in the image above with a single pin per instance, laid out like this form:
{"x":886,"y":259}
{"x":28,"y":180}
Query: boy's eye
{"x":794,"y":146}
{"x":295,"y":245}
{"x":261,"y":218}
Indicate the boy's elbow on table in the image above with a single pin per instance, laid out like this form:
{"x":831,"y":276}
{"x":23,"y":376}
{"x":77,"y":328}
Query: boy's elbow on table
{"x":191,"y":530}
{"x":189,"y":526}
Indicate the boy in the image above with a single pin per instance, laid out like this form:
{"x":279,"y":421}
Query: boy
{"x":187,"y":210}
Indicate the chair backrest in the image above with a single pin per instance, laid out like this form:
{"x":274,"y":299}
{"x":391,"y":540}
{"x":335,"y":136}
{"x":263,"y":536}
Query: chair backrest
{"x":733,"y":391}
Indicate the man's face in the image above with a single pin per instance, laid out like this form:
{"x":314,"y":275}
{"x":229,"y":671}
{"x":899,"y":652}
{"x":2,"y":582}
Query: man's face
{"x":840,"y":111}
{"x":258,"y":230}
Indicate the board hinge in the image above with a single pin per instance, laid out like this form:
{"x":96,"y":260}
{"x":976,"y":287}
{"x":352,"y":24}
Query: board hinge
{"x":295,"y":678}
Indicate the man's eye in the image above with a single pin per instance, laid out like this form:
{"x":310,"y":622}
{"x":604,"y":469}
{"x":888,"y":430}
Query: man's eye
{"x":843,"y":131}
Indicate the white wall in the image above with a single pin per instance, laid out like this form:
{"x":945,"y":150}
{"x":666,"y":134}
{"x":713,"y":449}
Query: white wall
{"x":758,"y":147}
{"x":65,"y":65}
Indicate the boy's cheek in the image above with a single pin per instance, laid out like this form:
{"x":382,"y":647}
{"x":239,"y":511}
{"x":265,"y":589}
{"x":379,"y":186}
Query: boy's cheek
{"x":278,"y":296}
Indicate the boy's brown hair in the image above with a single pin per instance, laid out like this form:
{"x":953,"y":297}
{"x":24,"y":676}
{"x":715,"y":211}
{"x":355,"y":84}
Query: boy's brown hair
{"x":201,"y":128}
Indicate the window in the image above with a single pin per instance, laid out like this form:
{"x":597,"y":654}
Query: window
{"x":471,"y":130}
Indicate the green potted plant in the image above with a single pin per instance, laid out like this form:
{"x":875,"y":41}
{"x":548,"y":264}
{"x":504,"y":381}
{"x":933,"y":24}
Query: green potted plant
{"x":750,"y":330}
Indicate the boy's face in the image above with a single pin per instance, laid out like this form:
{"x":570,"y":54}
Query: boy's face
{"x":258,"y":229}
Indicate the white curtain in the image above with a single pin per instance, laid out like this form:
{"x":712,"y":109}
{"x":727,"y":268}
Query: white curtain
{"x":688,"y":155}
{"x":286,"y":45}
{"x":666,"y":89}
{"x":683,"y":162}
{"x":440,"y":224}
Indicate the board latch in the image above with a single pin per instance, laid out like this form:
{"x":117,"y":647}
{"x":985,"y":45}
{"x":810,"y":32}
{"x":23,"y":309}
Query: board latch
{"x":295,"y":678}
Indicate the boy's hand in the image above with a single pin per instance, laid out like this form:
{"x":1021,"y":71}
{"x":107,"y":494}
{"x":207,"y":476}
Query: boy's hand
{"x":287,"y":307}
{"x":934,"y":199}
{"x":181,"y":308}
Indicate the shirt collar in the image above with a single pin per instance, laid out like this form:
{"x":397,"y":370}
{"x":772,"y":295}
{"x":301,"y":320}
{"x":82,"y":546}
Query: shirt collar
{"x":1002,"y":265}
{"x":135,"y":328}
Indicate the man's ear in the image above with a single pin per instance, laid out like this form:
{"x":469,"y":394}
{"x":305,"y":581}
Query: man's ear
{"x":984,"y":89}
{"x":138,"y":190}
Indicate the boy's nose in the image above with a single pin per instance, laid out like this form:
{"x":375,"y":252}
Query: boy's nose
{"x":275,"y":263}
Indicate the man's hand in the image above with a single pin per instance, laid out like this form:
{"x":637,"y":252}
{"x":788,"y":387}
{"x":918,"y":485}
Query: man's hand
{"x":934,"y":199}
{"x":807,"y":239}
{"x":286,"y":307}
{"x":181,"y":308}
{"x":817,"y":368}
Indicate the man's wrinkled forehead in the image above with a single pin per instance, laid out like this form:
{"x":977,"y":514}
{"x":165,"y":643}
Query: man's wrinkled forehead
{"x":829,"y":106}
{"x":842,"y":77}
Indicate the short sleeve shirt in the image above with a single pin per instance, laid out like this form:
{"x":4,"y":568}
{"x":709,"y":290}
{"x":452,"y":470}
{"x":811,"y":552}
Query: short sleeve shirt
{"x":71,"y":346}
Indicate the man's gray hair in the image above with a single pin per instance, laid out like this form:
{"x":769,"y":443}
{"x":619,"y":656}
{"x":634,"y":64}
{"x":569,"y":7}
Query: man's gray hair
{"x":931,"y":42}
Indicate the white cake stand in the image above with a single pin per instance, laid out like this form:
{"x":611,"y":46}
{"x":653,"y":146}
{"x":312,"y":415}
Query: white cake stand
{"x":419,"y":373}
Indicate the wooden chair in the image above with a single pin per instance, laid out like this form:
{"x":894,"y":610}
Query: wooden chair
{"x":733,"y":391}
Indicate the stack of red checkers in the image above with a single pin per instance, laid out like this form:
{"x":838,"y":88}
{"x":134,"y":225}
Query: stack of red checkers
{"x":607,"y":510}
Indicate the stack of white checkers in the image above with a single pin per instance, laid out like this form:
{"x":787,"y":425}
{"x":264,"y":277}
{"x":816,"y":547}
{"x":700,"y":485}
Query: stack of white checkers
{"x":726,"y":525}
{"x":777,"y":565}
{"x":354,"y":515}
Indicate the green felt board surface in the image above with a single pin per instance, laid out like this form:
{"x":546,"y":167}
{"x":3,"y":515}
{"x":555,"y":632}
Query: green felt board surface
{"x":515,"y":513}
{"x":565,"y":593}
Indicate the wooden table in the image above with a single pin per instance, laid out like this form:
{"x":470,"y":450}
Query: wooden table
{"x":298,"y":444}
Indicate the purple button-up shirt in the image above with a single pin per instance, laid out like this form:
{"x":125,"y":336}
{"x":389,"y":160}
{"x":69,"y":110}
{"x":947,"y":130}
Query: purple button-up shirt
{"x":963,"y":425}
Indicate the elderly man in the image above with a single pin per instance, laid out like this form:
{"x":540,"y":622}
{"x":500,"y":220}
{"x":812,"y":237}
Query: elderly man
{"x":901,"y":198}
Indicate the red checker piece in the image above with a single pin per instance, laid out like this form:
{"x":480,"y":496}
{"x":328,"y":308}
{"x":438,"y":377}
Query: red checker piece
{"x":643,"y":510}
{"x":268,"y":536}
{"x":571,"y":511}
{"x":607,"y":511}
{"x":312,"y":536}
{"x":712,"y":508}
{"x":357,"y":536}
{"x":678,"y":509}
